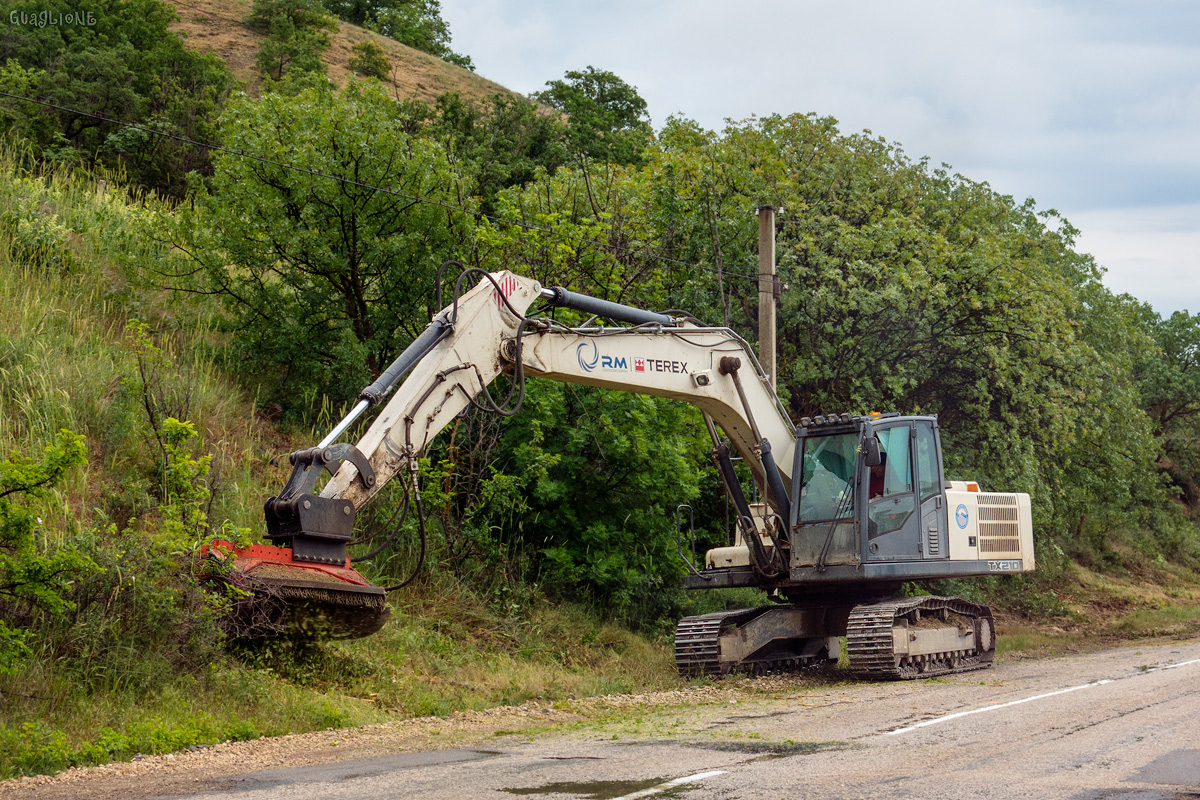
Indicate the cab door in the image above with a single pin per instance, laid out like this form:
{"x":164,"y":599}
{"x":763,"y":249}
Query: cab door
{"x":893,"y":519}
{"x":930,"y":488}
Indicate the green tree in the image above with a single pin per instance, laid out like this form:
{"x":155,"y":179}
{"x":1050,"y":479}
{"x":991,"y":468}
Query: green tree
{"x":607,"y":118}
{"x":505,"y":139}
{"x":297,"y":36}
{"x":917,"y":290}
{"x":583,"y":229}
{"x":602,"y":512}
{"x":574,"y":495}
{"x":370,"y":60}
{"x":127,"y":67}
{"x":416,"y":23}
{"x":326,"y":276}
{"x":1169,"y":380}
{"x":308,"y":14}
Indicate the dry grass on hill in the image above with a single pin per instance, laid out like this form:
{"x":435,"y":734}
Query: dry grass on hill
{"x":216,"y":26}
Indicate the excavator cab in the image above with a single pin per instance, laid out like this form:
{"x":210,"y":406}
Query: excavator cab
{"x":866,"y":490}
{"x":870,"y":489}
{"x":871,"y":501}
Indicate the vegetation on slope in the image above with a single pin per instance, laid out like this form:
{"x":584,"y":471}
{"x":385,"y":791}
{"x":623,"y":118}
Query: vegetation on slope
{"x":128,"y":656}
{"x":125,"y":67}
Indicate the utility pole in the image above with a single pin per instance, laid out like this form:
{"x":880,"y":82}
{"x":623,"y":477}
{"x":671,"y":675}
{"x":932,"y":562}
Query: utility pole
{"x":767,"y":289}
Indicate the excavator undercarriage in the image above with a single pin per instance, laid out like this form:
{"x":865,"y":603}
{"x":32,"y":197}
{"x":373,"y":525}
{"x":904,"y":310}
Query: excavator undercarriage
{"x":920,"y":637}
{"x":917,"y":637}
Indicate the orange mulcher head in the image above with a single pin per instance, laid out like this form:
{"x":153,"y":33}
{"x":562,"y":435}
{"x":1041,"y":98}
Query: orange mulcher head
{"x":302,"y":583}
{"x":284,"y":597}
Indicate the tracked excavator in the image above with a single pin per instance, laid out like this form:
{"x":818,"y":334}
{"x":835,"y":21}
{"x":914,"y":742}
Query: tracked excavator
{"x":843,"y":509}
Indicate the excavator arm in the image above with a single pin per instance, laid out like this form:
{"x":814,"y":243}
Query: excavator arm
{"x":705,"y":367}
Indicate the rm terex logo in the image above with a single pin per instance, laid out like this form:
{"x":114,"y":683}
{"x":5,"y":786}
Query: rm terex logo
{"x":590,"y":359}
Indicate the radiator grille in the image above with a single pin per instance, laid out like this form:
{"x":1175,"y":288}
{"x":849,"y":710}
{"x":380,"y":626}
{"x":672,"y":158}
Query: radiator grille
{"x":994,"y":514}
{"x":999,"y":527}
{"x":1004,"y":544}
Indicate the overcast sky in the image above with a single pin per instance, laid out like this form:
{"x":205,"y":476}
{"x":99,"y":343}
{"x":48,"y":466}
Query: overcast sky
{"x":1092,"y":108}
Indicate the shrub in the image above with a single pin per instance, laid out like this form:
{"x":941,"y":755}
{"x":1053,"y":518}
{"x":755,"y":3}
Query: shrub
{"x":371,"y":60}
{"x":34,"y":578}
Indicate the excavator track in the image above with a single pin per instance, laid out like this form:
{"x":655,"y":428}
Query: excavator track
{"x":899,"y":639}
{"x":698,"y":647}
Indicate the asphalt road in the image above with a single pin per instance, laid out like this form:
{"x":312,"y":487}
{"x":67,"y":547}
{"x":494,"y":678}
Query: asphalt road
{"x":1122,"y":723}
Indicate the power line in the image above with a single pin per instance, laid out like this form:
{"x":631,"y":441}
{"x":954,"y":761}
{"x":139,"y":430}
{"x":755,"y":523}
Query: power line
{"x":348,"y":181}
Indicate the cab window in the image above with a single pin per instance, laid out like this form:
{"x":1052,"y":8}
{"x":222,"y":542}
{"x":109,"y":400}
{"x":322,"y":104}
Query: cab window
{"x":895,"y":477}
{"x":826,"y":491}
{"x":891,"y":497}
{"x":927,"y":462}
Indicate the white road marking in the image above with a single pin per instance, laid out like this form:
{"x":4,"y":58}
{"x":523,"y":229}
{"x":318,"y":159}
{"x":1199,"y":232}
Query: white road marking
{"x":949,"y":717}
{"x":1172,"y":666}
{"x":662,"y":787}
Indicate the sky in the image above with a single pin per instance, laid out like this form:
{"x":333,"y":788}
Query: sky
{"x":1092,"y":108}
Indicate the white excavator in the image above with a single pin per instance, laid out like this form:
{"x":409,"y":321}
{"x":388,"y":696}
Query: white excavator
{"x":849,"y":507}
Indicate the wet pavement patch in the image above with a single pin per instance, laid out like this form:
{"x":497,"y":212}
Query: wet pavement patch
{"x":1177,"y":768}
{"x":775,"y":749}
{"x":591,"y":790}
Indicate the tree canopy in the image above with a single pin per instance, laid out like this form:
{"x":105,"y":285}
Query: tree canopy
{"x":416,"y":23}
{"x":326,"y":276}
{"x":907,"y":288}
{"x":126,"y":67}
{"x":606,"y":117}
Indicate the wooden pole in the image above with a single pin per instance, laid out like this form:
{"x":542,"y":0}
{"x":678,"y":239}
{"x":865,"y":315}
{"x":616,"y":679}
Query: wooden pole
{"x":766,"y":291}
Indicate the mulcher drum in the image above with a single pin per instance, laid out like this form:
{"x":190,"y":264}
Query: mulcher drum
{"x":305,"y":603}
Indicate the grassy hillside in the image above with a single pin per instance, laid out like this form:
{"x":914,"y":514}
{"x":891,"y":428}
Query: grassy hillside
{"x":216,"y":26}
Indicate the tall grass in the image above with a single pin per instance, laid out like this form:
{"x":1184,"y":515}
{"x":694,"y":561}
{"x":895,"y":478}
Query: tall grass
{"x":133,"y":666}
{"x":74,"y":253}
